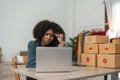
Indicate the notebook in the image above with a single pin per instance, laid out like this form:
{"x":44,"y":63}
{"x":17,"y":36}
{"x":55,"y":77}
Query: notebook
{"x":53,"y":59}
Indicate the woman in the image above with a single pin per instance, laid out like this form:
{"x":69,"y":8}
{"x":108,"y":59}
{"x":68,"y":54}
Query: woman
{"x":46,"y":34}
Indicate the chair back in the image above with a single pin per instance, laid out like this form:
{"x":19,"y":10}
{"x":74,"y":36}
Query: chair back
{"x":18,"y":60}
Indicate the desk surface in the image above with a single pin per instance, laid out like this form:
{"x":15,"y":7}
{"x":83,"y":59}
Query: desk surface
{"x":76,"y":73}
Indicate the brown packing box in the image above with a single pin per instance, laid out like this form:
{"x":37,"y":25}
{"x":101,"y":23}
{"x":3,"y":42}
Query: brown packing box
{"x":96,"y":39}
{"x":116,"y":40}
{"x":108,"y":60}
{"x":90,"y":48}
{"x":109,"y":48}
{"x":89,"y":59}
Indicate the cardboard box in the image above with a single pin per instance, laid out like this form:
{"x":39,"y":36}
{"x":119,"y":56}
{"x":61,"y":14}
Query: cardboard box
{"x":89,"y":59}
{"x":116,"y":40}
{"x":109,"y":48}
{"x":108,"y":60}
{"x":96,"y":39}
{"x":91,"y":48}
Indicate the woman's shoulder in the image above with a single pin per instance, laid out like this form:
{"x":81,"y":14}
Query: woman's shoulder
{"x":33,"y":43}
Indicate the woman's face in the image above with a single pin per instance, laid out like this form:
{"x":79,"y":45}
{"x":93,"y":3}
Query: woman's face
{"x":47,"y":38}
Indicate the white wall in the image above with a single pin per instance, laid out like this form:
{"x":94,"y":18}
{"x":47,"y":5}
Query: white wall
{"x":89,"y":14}
{"x":18,"y":17}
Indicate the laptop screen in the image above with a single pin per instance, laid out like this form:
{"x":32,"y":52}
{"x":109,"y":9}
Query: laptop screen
{"x":53,"y":59}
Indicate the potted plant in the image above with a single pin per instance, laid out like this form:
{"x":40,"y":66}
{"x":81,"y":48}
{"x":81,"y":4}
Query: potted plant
{"x":72,"y":43}
{"x":0,"y":54}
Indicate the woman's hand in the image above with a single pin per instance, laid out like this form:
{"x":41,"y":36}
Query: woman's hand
{"x":60,"y":39}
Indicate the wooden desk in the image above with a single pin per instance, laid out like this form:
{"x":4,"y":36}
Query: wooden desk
{"x":75,"y":74}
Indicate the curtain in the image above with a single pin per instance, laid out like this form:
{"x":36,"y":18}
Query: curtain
{"x":116,"y":16}
{"x":113,"y":13}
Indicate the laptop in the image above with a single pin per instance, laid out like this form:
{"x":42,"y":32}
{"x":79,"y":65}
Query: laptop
{"x":53,"y":59}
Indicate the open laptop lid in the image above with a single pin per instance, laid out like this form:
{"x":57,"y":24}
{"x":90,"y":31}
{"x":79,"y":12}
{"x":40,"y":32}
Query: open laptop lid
{"x":53,"y":59}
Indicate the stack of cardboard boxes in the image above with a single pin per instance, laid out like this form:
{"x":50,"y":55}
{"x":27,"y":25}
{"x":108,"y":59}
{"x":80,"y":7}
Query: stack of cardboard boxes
{"x":91,"y":49}
{"x":109,"y":55}
{"x":99,"y":52}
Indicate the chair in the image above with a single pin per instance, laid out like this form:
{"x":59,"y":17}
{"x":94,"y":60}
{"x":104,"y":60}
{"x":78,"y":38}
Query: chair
{"x":18,"y":60}
{"x":23,"y":53}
